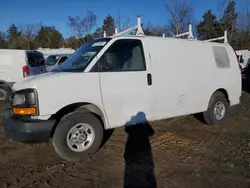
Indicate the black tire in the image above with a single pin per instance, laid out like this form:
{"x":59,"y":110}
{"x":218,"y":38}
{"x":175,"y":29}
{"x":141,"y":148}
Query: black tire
{"x":4,"y":92}
{"x":209,"y":115}
{"x":64,"y":126}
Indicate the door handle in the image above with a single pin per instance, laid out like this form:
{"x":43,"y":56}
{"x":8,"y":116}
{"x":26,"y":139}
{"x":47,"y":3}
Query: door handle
{"x":149,"y":78}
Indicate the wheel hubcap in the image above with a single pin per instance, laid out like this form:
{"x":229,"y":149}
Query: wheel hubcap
{"x":3,"y":94}
{"x":219,"y":110}
{"x":80,"y":137}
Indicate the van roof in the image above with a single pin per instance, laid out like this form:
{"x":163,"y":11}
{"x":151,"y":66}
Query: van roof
{"x":17,"y":50}
{"x":189,"y":33}
{"x":166,"y":38}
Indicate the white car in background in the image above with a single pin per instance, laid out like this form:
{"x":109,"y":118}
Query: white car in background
{"x":53,"y":61}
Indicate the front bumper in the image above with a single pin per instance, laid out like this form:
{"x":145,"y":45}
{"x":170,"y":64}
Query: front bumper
{"x":24,"y":130}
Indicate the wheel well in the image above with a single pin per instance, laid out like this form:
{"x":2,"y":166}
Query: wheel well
{"x":78,"y":106}
{"x":4,"y":83}
{"x":224,"y":92}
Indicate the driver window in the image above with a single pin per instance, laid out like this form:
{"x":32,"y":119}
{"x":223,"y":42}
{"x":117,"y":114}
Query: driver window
{"x":123,"y":55}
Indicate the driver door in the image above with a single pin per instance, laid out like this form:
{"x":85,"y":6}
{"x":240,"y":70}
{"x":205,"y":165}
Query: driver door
{"x":125,"y":82}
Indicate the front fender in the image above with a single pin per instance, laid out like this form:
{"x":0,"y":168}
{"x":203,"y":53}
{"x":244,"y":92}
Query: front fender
{"x":89,"y":106}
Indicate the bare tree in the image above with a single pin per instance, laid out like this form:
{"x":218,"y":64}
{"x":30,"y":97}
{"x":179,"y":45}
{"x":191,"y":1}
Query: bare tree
{"x":180,"y":12}
{"x":29,"y":30}
{"x":28,"y":35}
{"x":152,"y":30}
{"x":121,"y":25}
{"x":82,"y":26}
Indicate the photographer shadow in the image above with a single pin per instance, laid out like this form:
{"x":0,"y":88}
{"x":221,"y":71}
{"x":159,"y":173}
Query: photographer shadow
{"x":139,"y":165}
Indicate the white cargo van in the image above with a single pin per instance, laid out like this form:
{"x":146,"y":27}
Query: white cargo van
{"x":120,"y":81}
{"x":16,"y":65}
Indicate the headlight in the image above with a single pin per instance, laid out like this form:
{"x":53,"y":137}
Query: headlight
{"x":25,"y":102}
{"x":18,"y":99}
{"x":27,"y":99}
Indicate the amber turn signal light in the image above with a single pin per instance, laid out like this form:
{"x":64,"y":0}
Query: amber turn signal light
{"x":24,"y":111}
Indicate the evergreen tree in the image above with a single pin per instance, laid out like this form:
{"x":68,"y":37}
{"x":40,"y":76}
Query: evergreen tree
{"x":49,"y":37}
{"x":13,"y":32}
{"x":3,"y":42}
{"x":13,"y":36}
{"x":229,"y":22}
{"x":108,"y":25}
{"x":209,"y":27}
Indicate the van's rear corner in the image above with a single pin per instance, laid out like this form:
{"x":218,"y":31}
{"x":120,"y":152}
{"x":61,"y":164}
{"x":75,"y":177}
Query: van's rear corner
{"x":235,"y":78}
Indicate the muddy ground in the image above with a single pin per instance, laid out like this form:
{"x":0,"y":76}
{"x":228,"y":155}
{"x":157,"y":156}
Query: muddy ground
{"x":180,"y":152}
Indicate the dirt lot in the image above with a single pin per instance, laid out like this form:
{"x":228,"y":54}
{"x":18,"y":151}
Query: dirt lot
{"x":180,"y":152}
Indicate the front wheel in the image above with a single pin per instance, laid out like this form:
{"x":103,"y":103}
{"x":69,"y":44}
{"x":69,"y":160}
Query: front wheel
{"x":217,"y":109}
{"x":4,"y":92}
{"x":78,"y":136}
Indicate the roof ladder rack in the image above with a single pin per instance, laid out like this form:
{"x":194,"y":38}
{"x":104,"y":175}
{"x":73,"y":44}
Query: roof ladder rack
{"x":138,"y":27}
{"x":219,"y":38}
{"x":139,"y":32}
{"x":189,"y":33}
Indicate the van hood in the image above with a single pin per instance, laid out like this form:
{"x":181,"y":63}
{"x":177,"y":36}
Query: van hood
{"x":36,"y":80}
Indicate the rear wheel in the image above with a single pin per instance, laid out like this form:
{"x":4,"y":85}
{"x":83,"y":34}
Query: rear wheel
{"x":217,"y":109}
{"x":4,"y":92}
{"x":78,"y":136}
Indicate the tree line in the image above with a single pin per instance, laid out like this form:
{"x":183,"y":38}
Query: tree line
{"x":180,"y":12}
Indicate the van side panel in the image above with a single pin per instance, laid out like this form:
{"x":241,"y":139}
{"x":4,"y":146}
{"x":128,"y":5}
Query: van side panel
{"x":236,"y":80}
{"x":230,"y":78}
{"x":11,"y":63}
{"x":185,"y":75}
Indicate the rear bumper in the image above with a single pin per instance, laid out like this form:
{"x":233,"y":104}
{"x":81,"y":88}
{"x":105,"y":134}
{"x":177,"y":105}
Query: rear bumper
{"x":27,"y":130}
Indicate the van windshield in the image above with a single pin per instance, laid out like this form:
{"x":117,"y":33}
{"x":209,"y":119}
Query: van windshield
{"x":79,"y":61}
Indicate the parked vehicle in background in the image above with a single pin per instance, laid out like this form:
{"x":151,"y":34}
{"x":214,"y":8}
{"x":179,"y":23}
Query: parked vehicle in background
{"x":53,"y":61}
{"x":16,"y":65}
{"x":120,"y":81}
{"x":51,"y":51}
{"x":243,"y":57}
